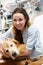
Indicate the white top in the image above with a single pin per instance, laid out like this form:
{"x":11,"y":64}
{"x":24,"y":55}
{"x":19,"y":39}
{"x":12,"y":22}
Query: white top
{"x":31,"y":38}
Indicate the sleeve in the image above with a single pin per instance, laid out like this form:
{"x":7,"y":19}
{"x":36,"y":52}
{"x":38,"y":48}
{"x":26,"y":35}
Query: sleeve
{"x":5,"y":35}
{"x":32,"y":40}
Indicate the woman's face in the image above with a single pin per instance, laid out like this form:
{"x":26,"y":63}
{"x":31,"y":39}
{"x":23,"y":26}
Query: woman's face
{"x":19,"y":21}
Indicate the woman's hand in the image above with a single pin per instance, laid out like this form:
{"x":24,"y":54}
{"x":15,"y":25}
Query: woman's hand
{"x":9,"y":39}
{"x":3,"y":52}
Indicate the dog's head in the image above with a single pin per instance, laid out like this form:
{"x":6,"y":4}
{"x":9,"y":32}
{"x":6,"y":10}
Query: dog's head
{"x":11,"y":48}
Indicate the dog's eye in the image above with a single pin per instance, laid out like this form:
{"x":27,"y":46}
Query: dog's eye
{"x":11,"y":45}
{"x":7,"y":50}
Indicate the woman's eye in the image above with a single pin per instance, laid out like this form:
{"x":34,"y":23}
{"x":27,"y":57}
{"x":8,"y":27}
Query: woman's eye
{"x":14,"y":20}
{"x":20,"y":19}
{"x":11,"y":45}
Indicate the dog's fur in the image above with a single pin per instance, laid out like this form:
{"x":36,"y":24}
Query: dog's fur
{"x":13,"y":48}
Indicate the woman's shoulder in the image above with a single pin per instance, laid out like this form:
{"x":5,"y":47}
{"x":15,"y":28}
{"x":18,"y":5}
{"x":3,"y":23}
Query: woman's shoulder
{"x":33,"y":29}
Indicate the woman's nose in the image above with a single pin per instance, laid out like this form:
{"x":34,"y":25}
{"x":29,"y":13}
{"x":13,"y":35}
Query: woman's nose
{"x":17,"y":22}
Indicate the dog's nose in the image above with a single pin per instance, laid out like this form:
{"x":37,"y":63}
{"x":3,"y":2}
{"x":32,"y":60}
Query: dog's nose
{"x":14,"y":54}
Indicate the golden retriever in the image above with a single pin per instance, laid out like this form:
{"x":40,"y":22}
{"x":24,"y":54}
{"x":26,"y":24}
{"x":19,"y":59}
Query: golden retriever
{"x":13,"y":48}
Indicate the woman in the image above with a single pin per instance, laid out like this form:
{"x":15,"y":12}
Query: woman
{"x":24,"y":32}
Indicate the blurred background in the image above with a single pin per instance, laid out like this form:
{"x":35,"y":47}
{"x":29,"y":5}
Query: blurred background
{"x":34,"y":8}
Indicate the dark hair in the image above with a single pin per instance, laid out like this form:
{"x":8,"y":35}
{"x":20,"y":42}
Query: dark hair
{"x":18,"y":34}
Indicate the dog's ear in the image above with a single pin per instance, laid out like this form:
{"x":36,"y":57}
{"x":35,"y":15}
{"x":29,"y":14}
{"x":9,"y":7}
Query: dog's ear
{"x":15,"y":41}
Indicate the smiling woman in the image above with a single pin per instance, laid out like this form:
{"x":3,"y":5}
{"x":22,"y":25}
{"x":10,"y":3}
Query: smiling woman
{"x":18,"y":21}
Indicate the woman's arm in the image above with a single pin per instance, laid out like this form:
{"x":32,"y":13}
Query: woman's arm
{"x":3,"y":37}
{"x":7,"y":34}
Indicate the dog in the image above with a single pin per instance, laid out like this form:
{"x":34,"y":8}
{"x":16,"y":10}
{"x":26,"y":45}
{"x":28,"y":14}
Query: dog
{"x":13,"y":48}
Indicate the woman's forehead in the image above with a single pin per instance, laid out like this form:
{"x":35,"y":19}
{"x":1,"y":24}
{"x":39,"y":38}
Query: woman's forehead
{"x":16,"y":15}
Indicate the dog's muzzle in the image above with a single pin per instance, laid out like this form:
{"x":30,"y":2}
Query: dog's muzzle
{"x":14,"y":54}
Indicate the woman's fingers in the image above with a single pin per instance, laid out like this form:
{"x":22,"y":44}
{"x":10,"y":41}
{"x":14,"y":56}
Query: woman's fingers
{"x":4,"y":53}
{"x":8,"y":38}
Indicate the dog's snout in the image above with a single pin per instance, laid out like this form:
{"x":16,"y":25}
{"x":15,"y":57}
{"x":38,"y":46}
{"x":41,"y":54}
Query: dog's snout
{"x":14,"y":54}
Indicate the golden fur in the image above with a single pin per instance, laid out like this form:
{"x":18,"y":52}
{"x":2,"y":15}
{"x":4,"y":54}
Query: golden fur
{"x":20,"y":48}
